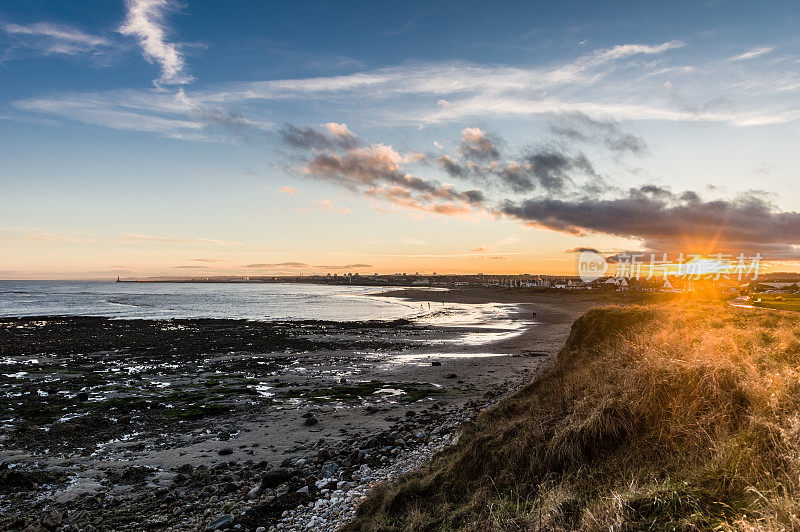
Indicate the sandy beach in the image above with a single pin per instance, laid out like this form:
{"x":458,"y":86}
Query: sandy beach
{"x":185,"y":424}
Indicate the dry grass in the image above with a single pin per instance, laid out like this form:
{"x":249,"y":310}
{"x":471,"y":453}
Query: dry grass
{"x":668,"y":417}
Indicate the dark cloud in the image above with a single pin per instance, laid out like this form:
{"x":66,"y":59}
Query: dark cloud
{"x":473,"y":196}
{"x":330,"y":137}
{"x":232,"y":123}
{"x":549,"y":170}
{"x":453,"y":168}
{"x":192,"y":267}
{"x":581,"y":250}
{"x":366,"y":167}
{"x":477,"y":145}
{"x":671,"y":222}
{"x":578,"y":127}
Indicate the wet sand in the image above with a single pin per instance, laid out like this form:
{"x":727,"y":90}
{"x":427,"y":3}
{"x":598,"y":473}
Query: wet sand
{"x":186,"y":422}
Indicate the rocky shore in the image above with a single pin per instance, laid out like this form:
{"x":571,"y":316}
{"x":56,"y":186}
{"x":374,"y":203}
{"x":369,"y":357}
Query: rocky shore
{"x":218,"y":424}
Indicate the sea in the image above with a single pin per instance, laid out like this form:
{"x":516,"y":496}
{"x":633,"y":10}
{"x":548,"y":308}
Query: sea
{"x":253,"y":301}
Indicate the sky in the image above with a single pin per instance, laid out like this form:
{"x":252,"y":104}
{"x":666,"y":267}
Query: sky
{"x":157,"y":137}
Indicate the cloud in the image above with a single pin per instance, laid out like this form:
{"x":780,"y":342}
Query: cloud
{"x":210,"y":260}
{"x":227,"y":120}
{"x":547,"y":169}
{"x":327,"y":205}
{"x":665,"y":221}
{"x":475,"y":144}
{"x":291,"y":191}
{"x":580,"y":128}
{"x":600,"y":84}
{"x":278,"y":265}
{"x":344,"y":266}
{"x":293,"y":265}
{"x":377,"y":171}
{"x":753,"y":53}
{"x":22,"y":233}
{"x":137,"y":237}
{"x":145,"y":20}
{"x":50,"y":39}
{"x":192,"y":267}
{"x":332,"y":136}
{"x":581,"y":250}
{"x":55,"y":39}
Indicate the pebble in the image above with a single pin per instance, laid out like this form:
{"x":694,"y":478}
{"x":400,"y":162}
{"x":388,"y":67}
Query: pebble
{"x":221,"y":523}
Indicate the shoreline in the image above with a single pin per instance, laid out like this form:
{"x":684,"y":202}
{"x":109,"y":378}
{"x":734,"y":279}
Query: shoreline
{"x":358,"y":439}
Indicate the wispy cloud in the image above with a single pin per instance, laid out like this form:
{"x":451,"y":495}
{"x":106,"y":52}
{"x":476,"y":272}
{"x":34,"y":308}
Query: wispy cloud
{"x":262,"y":265}
{"x":753,"y":53}
{"x":24,"y":233}
{"x":291,"y":265}
{"x":55,"y":39}
{"x":599,"y":85}
{"x":137,"y":237}
{"x":146,"y":21}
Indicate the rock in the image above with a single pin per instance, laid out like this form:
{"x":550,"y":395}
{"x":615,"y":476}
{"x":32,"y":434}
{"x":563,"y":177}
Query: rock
{"x":329,"y":470}
{"x":261,"y":529}
{"x":310,"y":422}
{"x":344,"y":485}
{"x":200,"y":471}
{"x":323,"y":454}
{"x":411,"y":413}
{"x":303,"y":490}
{"x":221,"y":523}
{"x":436,"y":363}
{"x":451,"y":376}
{"x":52,"y":519}
{"x":225,"y":451}
{"x":275,"y":477}
{"x":254,"y":493}
{"x":82,"y":396}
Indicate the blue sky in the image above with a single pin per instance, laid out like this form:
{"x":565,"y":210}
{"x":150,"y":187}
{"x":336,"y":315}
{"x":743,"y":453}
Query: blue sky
{"x":152,"y":137}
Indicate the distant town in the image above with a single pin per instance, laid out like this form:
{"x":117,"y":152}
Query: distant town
{"x":769,"y":283}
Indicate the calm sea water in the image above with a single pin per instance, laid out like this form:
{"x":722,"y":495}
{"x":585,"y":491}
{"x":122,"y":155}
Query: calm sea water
{"x":174,"y":300}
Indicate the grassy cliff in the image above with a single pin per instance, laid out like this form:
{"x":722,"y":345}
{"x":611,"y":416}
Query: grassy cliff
{"x":665,"y":417}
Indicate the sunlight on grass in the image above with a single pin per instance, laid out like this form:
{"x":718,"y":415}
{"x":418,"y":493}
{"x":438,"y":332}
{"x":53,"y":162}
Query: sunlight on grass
{"x":679,"y":416}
